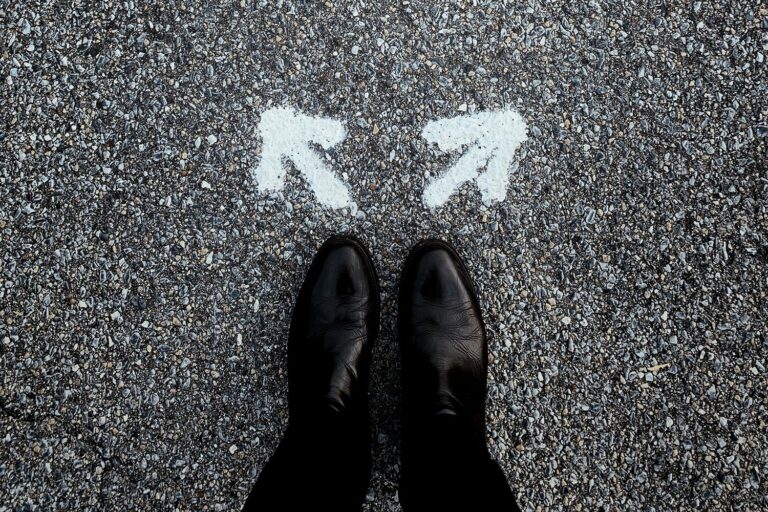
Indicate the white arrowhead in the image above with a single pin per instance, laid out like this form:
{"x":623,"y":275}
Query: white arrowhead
{"x":491,"y":137}
{"x":287,"y":134}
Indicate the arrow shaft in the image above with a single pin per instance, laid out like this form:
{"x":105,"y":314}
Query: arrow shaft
{"x":328,"y":188}
{"x":465,"y":169}
{"x":493,"y":182}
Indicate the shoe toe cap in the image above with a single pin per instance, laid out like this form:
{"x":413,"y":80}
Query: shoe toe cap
{"x":438,"y":277}
{"x":343,"y":272}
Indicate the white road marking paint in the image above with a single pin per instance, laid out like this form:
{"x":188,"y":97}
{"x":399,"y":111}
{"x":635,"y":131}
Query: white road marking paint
{"x":287,"y":134}
{"x":492,"y":138}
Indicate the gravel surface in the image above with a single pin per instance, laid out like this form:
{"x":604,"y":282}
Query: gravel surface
{"x":146,"y":285}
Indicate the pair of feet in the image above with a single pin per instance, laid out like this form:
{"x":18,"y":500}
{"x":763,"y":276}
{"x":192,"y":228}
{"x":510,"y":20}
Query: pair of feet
{"x":442,"y":338}
{"x":444,"y":370}
{"x":335,"y":324}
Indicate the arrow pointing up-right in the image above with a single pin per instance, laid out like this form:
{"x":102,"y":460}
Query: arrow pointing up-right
{"x":491,"y":139}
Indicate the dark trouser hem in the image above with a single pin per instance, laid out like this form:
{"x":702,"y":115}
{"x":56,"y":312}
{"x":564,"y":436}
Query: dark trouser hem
{"x":322,"y":466}
{"x":447,"y":468}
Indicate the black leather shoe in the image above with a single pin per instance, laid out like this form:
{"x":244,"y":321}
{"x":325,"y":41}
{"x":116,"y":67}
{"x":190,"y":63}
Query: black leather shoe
{"x":333,"y":328}
{"x":445,"y":461}
{"x":442,"y":340}
{"x":324,"y":459}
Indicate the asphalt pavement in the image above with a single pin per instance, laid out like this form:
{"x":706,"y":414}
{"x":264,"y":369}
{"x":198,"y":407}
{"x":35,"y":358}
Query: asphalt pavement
{"x":147,"y":279}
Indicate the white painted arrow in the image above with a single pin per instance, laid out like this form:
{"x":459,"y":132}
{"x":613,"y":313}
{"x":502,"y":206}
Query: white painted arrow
{"x":287,"y":134}
{"x":491,"y":139}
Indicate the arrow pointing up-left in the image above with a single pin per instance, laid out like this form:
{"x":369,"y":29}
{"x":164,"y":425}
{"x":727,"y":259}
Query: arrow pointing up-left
{"x":286,"y":135}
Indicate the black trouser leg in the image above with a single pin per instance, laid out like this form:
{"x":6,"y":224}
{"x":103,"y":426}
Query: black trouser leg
{"x":446,"y":467}
{"x":320,"y":466}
